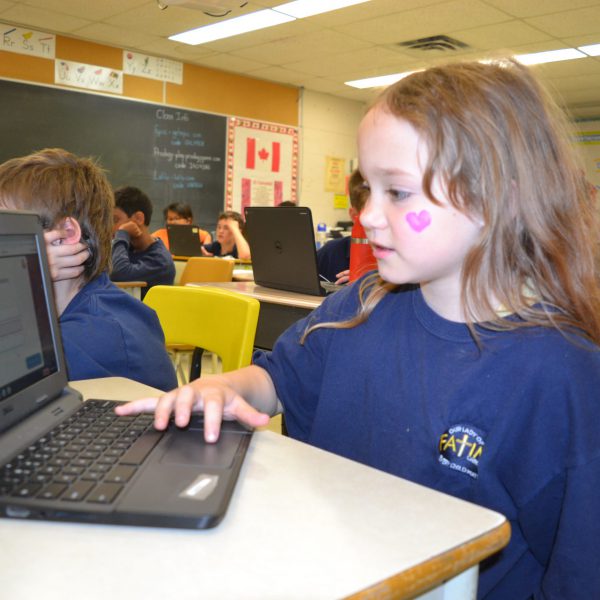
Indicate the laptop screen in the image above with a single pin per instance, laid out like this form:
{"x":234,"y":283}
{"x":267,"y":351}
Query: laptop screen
{"x":29,"y":341}
{"x":282,"y":244}
{"x":184,"y":240}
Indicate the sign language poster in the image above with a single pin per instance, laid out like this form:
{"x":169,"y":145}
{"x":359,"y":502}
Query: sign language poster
{"x":262,"y":164}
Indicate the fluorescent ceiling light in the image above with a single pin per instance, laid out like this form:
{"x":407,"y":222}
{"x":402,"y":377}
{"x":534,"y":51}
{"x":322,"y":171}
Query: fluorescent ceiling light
{"x":308,"y":8}
{"x":236,"y":26}
{"x":381,"y":81}
{"x":538,"y":58}
{"x":260,"y":19}
{"x":591,"y":50}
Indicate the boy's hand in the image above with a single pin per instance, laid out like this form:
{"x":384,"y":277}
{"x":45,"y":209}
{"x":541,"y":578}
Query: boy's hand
{"x":65,"y":260}
{"x":211,"y":395}
{"x":132,"y":229}
{"x":342,"y":277}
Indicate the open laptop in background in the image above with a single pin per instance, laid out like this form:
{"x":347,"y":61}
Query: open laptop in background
{"x":184,"y":240}
{"x":66,"y":460}
{"x":282,"y":245}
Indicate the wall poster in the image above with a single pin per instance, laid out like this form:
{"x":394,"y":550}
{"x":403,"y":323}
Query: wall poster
{"x":262,"y":164}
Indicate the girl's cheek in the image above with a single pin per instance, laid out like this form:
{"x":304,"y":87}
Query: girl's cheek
{"x":418,"y":221}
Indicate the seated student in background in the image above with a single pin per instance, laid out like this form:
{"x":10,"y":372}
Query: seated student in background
{"x":230,"y":239}
{"x":137,"y":255}
{"x":470,"y":362}
{"x":179,"y":213}
{"x":105,"y":331}
{"x":333,"y":258}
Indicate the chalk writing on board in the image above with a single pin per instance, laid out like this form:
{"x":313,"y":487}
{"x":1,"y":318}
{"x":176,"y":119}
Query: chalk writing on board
{"x":178,"y":152}
{"x":27,"y":41}
{"x":122,"y":135}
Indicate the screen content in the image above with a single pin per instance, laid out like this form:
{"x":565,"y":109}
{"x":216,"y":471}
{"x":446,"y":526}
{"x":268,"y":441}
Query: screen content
{"x":27,"y":351}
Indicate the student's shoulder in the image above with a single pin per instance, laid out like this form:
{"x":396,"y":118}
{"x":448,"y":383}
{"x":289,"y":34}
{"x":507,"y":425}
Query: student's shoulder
{"x":100,"y":298}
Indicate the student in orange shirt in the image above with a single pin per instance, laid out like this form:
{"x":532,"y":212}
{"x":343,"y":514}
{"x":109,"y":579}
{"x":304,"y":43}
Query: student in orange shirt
{"x":179,"y":213}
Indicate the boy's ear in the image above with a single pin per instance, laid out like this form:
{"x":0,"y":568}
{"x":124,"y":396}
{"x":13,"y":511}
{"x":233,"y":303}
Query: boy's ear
{"x":71,"y":229}
{"x":138,"y":218}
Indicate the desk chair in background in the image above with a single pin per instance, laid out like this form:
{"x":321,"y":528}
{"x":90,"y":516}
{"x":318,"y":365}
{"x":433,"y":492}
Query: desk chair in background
{"x":198,"y":270}
{"x":202,"y":269}
{"x":220,"y":321}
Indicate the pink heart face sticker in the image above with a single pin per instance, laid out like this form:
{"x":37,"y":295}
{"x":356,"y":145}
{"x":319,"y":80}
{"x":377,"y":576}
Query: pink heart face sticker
{"x":420,"y":221}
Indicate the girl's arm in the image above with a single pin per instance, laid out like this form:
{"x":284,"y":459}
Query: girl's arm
{"x":247,"y":395}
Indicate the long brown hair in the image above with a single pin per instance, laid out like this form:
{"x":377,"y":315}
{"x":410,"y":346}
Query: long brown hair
{"x":502,"y":151}
{"x":57,"y":184}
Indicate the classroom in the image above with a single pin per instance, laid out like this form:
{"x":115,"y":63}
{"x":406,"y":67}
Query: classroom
{"x":325,"y":502}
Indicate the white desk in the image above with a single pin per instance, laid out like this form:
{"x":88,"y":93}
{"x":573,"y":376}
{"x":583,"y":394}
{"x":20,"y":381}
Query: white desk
{"x":133,"y":288}
{"x":302,"y":524}
{"x":278,"y":308}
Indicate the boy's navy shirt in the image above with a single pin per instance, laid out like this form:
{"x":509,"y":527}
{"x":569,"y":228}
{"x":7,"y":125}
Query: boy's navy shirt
{"x":154,"y":265}
{"x":513,"y":426}
{"x":333,"y":258}
{"x":216,"y":249}
{"x":108,"y":333}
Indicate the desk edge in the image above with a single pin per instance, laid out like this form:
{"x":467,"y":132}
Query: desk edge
{"x":427,"y":575}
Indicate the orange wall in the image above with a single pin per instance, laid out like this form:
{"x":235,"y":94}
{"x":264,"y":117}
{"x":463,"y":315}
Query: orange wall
{"x":202,"y":89}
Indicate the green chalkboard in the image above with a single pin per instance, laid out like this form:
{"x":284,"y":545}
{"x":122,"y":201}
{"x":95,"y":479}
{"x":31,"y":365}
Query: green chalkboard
{"x":173,"y":154}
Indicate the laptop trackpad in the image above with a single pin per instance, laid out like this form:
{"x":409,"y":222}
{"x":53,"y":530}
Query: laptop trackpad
{"x":188,"y":448}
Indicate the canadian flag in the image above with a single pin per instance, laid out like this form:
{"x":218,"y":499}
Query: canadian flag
{"x":262,"y":155}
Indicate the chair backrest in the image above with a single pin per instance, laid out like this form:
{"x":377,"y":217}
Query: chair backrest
{"x":220,"y":321}
{"x":204,"y":268}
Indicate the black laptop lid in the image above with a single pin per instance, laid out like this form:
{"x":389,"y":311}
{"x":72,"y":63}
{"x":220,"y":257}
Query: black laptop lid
{"x":184,"y":240}
{"x":282,"y":244}
{"x":32,"y":369}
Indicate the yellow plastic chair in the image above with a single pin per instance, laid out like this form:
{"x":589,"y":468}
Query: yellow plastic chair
{"x":220,"y":321}
{"x":205,"y":268}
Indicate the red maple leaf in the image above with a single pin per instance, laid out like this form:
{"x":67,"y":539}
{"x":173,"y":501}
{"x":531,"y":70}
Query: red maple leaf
{"x":263,"y":154}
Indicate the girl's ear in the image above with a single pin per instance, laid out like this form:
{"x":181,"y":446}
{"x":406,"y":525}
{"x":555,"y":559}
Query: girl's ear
{"x":71,"y":230}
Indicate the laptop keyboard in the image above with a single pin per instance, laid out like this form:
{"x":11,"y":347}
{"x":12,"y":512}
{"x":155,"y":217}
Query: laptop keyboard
{"x":89,"y":457}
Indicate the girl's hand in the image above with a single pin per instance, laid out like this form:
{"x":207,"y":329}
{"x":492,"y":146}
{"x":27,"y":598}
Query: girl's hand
{"x":65,"y":260}
{"x":211,"y":395}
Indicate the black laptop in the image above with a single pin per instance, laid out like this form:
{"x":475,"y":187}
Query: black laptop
{"x":66,"y":460}
{"x":282,"y":245}
{"x":184,"y":240}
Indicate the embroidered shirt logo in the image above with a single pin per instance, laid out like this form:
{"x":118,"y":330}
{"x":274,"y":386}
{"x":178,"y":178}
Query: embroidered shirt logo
{"x":460,"y":449}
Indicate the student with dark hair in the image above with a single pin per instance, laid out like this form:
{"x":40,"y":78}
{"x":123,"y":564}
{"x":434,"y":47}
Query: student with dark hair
{"x":179,"y":213}
{"x":230,"y":239}
{"x":105,"y":332}
{"x":137,"y":255}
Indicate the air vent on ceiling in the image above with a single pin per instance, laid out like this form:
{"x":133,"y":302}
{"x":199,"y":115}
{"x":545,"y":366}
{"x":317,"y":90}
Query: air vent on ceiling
{"x":437,"y":42}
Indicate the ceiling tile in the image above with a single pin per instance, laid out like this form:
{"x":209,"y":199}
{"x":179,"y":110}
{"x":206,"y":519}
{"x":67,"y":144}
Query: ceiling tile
{"x":263,"y":36}
{"x":42,"y":19}
{"x":368,"y":60}
{"x":424,"y":22}
{"x":236,"y":64}
{"x":569,"y":23}
{"x":94,"y":10}
{"x":500,"y":35}
{"x":154,"y":21}
{"x":530,"y":8}
{"x":296,"y":48}
{"x":117,"y":36}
